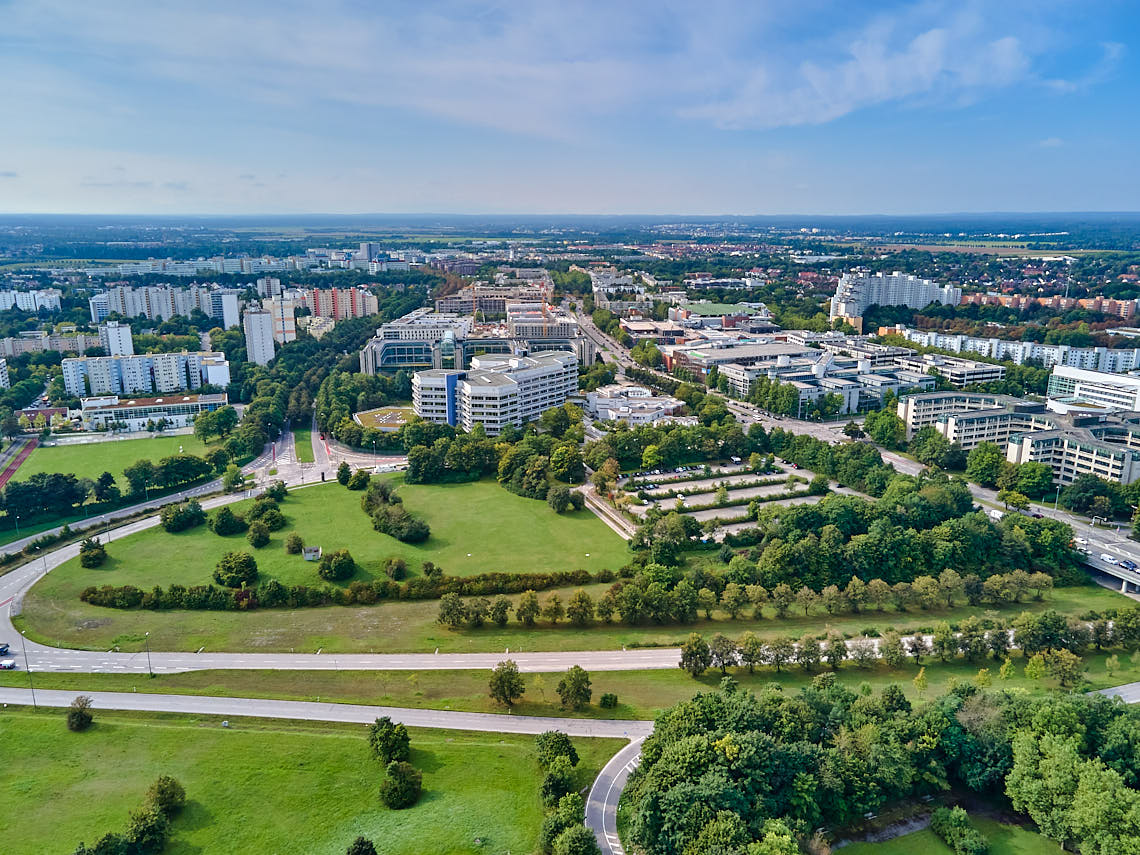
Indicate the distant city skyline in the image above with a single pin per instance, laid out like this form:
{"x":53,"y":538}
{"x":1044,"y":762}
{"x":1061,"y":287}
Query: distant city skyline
{"x":714,"y":108}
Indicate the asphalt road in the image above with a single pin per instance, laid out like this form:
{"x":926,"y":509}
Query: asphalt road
{"x":347,"y":713}
{"x":601,"y":805}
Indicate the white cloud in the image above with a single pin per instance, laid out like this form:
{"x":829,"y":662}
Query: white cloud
{"x":1051,"y":142}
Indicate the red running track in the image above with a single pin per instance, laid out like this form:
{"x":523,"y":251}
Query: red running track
{"x":28,"y":448}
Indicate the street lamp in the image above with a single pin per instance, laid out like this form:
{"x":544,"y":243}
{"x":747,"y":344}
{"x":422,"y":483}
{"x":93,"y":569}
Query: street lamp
{"x":28,"y":668}
{"x":1056,"y":500}
{"x":149,"y":669}
{"x":17,"y":525}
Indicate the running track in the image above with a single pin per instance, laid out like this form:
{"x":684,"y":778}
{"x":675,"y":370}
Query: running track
{"x":10,"y":470}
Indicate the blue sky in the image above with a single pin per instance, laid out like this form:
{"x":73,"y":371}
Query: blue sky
{"x":533,"y":106}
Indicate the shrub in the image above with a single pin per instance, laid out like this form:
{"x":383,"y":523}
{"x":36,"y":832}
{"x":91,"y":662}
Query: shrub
{"x":389,"y":741}
{"x":576,"y":840}
{"x":396,"y":521}
{"x":359,"y":480}
{"x":401,"y":789}
{"x":274,"y":520}
{"x":336,"y":566}
{"x":258,"y":535}
{"x":182,"y":516}
{"x":396,"y":568}
{"x":147,"y":830}
{"x":79,"y":716}
{"x":361,"y":846}
{"x":294,"y":543}
{"x":92,"y":553}
{"x":225,"y":522}
{"x":343,"y":473}
{"x":261,"y":505}
{"x":277,"y":490}
{"x":608,"y":701}
{"x":552,"y":744}
{"x":559,"y":781}
{"x":167,"y":795}
{"x":236,"y":570}
{"x":954,"y":827}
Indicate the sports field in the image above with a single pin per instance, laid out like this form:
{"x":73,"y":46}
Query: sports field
{"x":91,"y":460}
{"x":259,"y":786}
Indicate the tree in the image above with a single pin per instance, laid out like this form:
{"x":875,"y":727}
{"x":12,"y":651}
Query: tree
{"x":389,"y":740}
{"x":580,"y":609}
{"x":808,"y":652}
{"x":294,"y":543}
{"x":781,"y":652}
{"x":945,"y":644}
{"x":506,"y":685}
{"x":225,"y":522}
{"x":336,"y":566}
{"x":576,"y":840}
{"x":236,"y":570}
{"x":552,"y":744}
{"x":806,"y":598}
{"x":147,"y":829}
{"x":79,"y":715}
{"x":1064,"y":666}
{"x":359,"y":480}
{"x":558,"y":497}
{"x":751,"y":650}
{"x":258,"y":535}
{"x":574,"y":688}
{"x":527,"y":609}
{"x":553,"y":610}
{"x":984,"y":464}
{"x":891,"y":649}
{"x":105,"y":489}
{"x":1013,"y":499}
{"x":723,"y":652}
{"x":707,"y":601}
{"x":452,"y":611}
{"x":1035,"y":667}
{"x":166,"y":794}
{"x":651,"y":458}
{"x":558,"y":782}
{"x":91,"y":553}
{"x":696,"y":657}
{"x":232,"y":478}
{"x":734,"y":599}
{"x":835,"y":651}
{"x":361,"y":846}
{"x":782,"y":599}
{"x":500,"y":611}
{"x":920,"y":682}
{"x":343,"y":473}
{"x":183,"y":516}
{"x":401,"y":788}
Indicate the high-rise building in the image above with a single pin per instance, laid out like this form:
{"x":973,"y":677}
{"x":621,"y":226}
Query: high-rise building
{"x":340,"y":303}
{"x":148,"y":372}
{"x":5,"y":381}
{"x":115,"y":339}
{"x":224,"y":306}
{"x":855,"y":292}
{"x":284,"y":318}
{"x":258,"y":326}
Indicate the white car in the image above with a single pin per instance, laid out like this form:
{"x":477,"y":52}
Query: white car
{"x":7,"y":664}
{"x":1108,"y":559}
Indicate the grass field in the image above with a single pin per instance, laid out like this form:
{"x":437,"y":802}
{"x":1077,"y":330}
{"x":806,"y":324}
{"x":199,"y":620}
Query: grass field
{"x":265,"y":786}
{"x":641,"y":694}
{"x":303,"y":442}
{"x":91,"y":460}
{"x":1004,"y":840}
{"x":54,"y":614}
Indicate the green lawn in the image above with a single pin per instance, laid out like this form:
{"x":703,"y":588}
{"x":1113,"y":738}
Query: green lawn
{"x":267,"y":786}
{"x":93,"y":459}
{"x":1004,"y":840}
{"x":303,"y":441}
{"x":641,"y":694}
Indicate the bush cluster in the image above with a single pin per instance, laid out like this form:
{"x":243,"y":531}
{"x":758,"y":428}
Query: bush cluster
{"x":389,"y":516}
{"x":563,"y":828}
{"x":273,"y":594}
{"x":225,"y":522}
{"x":954,"y":827}
{"x":182,"y":516}
{"x":148,"y":827}
{"x":92,"y":553}
{"x":391,"y":746}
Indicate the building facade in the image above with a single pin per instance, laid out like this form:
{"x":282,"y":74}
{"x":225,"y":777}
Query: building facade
{"x":855,"y":292}
{"x":115,"y":339}
{"x":112,"y":411}
{"x":258,"y":327}
{"x":496,"y":391}
{"x":95,"y":376}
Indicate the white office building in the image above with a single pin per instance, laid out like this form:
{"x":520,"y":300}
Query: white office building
{"x":1099,"y":388}
{"x":855,"y":292}
{"x":115,"y":339}
{"x":496,"y":391}
{"x":258,"y":326}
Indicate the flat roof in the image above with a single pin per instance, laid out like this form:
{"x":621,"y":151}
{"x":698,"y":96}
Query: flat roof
{"x":166,"y":400}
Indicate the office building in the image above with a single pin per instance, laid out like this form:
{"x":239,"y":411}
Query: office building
{"x":543,"y":322}
{"x":134,"y":414}
{"x":496,"y":391}
{"x":1098,"y":388}
{"x":958,"y":371}
{"x":634,"y":405}
{"x":855,"y":292}
{"x":258,"y":327}
{"x":115,"y":339}
{"x":85,"y":376}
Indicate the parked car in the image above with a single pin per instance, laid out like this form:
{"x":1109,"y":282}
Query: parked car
{"x":7,"y":664}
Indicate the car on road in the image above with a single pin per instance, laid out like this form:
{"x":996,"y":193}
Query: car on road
{"x":1108,"y":559}
{"x":3,"y":648}
{"x":7,"y":664}
{"x":1128,"y":565}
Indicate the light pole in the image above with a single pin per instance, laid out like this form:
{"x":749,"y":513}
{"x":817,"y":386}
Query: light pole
{"x":17,"y":525}
{"x":28,"y":668}
{"x":1057,"y":499}
{"x":148,"y":668}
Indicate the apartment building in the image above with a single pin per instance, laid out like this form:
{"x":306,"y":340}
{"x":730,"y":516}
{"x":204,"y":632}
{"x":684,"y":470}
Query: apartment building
{"x":115,"y":339}
{"x":855,"y":292}
{"x":46,"y":299}
{"x":958,"y":371}
{"x":341,"y":303}
{"x":1111,"y":360}
{"x":162,"y":302}
{"x":5,"y":380}
{"x":257,"y":324}
{"x":162,"y":372}
{"x":496,"y":391}
{"x":284,"y":313}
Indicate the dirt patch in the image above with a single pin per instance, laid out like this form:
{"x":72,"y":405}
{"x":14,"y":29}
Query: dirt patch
{"x":94,"y":623}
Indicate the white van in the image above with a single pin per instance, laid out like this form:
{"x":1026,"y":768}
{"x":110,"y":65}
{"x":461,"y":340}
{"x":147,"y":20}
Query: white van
{"x":7,"y":664}
{"x":1108,"y":559}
